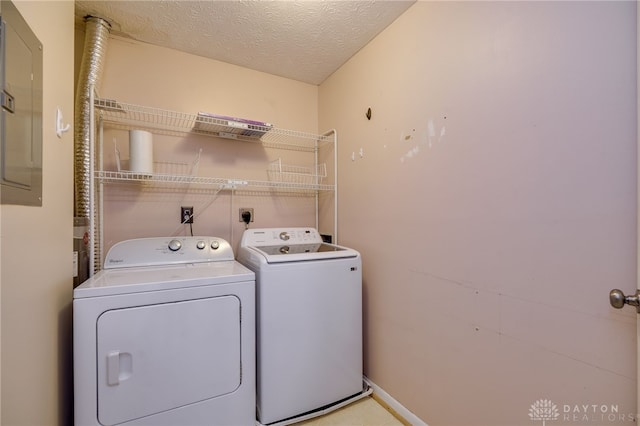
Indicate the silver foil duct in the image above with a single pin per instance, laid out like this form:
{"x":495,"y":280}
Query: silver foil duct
{"x":95,"y":46}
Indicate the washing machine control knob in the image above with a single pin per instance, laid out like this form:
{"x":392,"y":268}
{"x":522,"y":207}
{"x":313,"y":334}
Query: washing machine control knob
{"x":284,"y":236}
{"x":201,"y":245}
{"x":215,"y":244}
{"x":175,"y":245}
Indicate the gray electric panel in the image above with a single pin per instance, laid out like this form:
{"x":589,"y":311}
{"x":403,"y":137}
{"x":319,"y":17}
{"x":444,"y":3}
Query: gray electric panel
{"x":20,"y":110}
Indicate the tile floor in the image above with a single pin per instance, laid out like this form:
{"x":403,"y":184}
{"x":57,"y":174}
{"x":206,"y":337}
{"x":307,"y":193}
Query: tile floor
{"x":366,"y":412}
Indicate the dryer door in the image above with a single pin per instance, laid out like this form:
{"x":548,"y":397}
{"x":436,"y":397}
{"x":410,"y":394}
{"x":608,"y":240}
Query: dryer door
{"x":159,"y":357}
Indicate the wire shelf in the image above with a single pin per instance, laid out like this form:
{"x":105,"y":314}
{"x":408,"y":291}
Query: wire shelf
{"x":285,"y":173}
{"x":170,"y":168}
{"x":126,"y":116}
{"x":223,"y":183}
{"x":170,"y":177}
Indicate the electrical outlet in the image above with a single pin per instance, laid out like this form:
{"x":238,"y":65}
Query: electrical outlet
{"x":186,"y":214}
{"x":245,"y":210}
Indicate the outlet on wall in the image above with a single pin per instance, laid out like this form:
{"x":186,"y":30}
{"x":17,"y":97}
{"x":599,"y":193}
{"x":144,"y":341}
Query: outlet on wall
{"x":244,"y":211}
{"x":186,"y":214}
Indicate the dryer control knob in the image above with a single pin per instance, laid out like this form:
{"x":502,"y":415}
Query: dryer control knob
{"x":284,"y":236}
{"x":215,"y":244}
{"x":175,"y":245}
{"x":201,"y":245}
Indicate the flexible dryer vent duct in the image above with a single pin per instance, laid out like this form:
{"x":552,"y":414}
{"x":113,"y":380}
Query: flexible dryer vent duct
{"x":95,"y":46}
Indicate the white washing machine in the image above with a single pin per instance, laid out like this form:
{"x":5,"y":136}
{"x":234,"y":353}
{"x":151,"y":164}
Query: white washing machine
{"x":165,"y":335}
{"x":309,"y":323}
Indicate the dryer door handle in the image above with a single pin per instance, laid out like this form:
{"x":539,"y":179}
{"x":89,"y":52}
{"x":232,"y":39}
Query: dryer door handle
{"x":113,"y":368}
{"x":119,"y":367}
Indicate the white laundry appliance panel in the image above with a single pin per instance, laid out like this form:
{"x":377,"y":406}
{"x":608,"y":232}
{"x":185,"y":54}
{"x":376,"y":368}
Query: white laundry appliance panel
{"x":166,"y":356}
{"x":165,"y":345}
{"x":308,"y":356}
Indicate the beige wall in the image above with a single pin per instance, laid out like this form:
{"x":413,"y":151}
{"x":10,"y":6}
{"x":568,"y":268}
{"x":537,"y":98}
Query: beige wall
{"x":161,"y":78}
{"x":494,"y":206}
{"x":493,"y":203}
{"x":36,"y":246}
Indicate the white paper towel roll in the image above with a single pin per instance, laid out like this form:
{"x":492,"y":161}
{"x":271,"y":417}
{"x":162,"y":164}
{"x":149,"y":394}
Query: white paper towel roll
{"x":140,"y":151}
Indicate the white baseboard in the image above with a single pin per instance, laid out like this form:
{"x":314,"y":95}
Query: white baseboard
{"x":395,"y":405}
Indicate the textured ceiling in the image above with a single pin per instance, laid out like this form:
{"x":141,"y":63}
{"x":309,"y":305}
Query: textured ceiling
{"x":302,"y":40}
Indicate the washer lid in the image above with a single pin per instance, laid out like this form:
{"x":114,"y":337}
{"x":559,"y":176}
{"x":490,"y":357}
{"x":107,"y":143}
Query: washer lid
{"x":300,"y":248}
{"x":303,"y":252}
{"x":278,"y":245}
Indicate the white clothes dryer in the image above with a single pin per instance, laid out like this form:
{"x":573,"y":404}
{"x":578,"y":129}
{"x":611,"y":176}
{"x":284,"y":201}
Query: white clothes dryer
{"x":309,"y":323}
{"x":165,"y":335}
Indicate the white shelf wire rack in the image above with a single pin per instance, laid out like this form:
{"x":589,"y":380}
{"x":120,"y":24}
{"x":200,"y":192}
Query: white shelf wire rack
{"x":169,"y":176}
{"x":286,"y":173}
{"x":170,"y":168}
{"x":108,"y":176}
{"x":125,"y":115}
